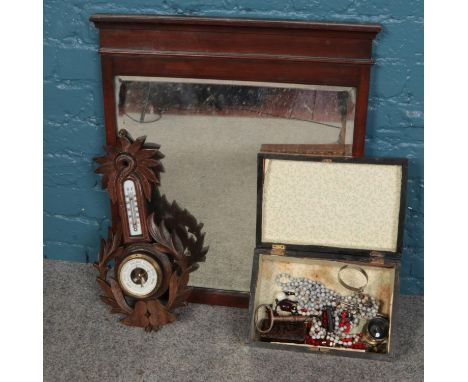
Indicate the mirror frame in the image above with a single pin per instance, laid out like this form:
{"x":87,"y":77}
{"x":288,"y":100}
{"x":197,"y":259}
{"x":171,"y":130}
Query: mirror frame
{"x":236,"y":49}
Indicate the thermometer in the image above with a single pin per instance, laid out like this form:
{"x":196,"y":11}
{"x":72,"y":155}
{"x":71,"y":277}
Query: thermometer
{"x":131,"y":205}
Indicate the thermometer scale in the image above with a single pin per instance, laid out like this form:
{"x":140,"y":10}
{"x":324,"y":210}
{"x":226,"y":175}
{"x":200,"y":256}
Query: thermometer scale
{"x":131,"y":206}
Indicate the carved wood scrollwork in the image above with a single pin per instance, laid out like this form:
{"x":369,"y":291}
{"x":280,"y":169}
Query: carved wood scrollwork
{"x":175,"y":239}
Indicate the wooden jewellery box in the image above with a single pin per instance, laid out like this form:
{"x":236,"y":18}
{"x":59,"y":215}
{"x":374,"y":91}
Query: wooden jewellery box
{"x":326,"y":265}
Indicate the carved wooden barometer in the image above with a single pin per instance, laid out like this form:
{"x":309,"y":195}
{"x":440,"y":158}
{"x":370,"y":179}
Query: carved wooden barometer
{"x":145,"y":263}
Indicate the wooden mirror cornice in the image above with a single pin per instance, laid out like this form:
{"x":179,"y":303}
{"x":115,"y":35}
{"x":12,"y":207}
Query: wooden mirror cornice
{"x":290,"y":52}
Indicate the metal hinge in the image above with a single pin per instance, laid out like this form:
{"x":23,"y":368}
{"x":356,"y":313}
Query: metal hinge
{"x":377,"y":257}
{"x":278,"y":249}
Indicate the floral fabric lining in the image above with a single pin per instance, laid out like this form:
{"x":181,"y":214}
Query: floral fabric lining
{"x":345,"y":205}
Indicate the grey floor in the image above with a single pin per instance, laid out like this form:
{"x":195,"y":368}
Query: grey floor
{"x":84,"y":342}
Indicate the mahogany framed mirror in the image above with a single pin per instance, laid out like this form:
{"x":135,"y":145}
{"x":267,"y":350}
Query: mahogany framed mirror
{"x":210,"y":91}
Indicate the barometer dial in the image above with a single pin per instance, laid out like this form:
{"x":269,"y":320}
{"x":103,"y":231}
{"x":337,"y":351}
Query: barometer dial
{"x":140,"y":275}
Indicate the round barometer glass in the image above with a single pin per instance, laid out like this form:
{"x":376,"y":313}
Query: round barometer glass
{"x":139,"y":275}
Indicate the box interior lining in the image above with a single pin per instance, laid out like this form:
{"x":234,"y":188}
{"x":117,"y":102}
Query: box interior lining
{"x":340,"y":205}
{"x":381,"y":281}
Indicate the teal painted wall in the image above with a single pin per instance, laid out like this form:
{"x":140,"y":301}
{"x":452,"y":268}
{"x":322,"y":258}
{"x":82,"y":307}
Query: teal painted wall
{"x":76,"y":211}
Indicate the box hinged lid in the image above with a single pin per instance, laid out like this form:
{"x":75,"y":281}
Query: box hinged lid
{"x":334,"y":204}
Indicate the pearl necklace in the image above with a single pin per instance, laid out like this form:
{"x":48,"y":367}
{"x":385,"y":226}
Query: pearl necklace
{"x":313,"y":298}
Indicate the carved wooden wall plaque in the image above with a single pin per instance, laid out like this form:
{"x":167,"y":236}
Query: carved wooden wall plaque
{"x":145,"y":263}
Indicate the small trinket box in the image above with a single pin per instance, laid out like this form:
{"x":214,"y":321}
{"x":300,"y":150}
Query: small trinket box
{"x":327,"y":257}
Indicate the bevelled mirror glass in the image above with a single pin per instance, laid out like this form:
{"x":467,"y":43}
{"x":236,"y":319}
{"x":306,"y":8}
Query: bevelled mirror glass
{"x":211,"y":132}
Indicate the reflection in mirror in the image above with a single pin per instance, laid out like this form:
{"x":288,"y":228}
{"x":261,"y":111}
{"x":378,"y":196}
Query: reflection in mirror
{"x":210,"y":132}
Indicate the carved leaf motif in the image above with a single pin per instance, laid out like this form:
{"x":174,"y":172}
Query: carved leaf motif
{"x":184,"y":278}
{"x":150,"y":315}
{"x":136,"y":145}
{"x":138,"y":317}
{"x":146,"y":185}
{"x":165,"y":235}
{"x":159,"y":314}
{"x":109,"y":297}
{"x":151,"y":163}
{"x":105,"y":168}
{"x":150,"y":153}
{"x":183,"y":224}
{"x":178,"y":246}
{"x":178,"y":291}
{"x":105,"y":287}
{"x":124,"y":142}
{"x":119,"y":298}
{"x":115,"y":238}
{"x":173,"y":289}
{"x":181,"y":299}
{"x":111,"y":186}
{"x":144,"y":161}
{"x":161,"y":248}
{"x":154,"y":230}
{"x":184,"y":292}
{"x":102,"y":251}
{"x":148,"y":174}
{"x":163,"y":238}
{"x":111,"y":248}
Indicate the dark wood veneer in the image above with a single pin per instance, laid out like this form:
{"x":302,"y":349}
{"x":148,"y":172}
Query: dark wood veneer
{"x":319,"y":53}
{"x":211,"y":296}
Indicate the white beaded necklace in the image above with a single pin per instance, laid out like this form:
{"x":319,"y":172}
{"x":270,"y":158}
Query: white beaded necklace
{"x":313,"y":298}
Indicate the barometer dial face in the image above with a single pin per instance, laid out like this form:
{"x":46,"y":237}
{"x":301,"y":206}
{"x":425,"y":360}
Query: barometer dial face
{"x":139,"y":275}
